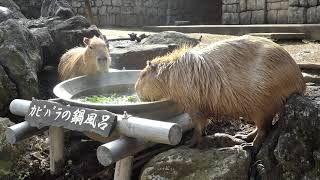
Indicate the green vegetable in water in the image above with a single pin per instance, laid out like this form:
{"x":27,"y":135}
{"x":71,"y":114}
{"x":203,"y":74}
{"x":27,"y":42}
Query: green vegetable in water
{"x":113,"y":99}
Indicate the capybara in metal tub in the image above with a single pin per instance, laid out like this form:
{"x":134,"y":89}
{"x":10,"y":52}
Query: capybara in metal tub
{"x":79,"y":61}
{"x":248,"y":77}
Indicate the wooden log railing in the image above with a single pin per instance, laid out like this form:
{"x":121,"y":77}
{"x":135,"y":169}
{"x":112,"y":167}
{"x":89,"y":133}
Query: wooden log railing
{"x":136,"y":134}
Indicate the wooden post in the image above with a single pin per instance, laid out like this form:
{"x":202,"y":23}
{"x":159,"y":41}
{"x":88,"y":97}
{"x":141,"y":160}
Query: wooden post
{"x":123,"y":169}
{"x":56,"y":137}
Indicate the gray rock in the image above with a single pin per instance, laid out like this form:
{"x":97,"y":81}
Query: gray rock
{"x":290,"y":150}
{"x":243,"y":5}
{"x":57,"y":35}
{"x":245,"y":17}
{"x":230,"y":18}
{"x":184,"y":163}
{"x":293,"y":3}
{"x":116,"y":2}
{"x":230,"y":1}
{"x":258,"y":17}
{"x":60,"y":8}
{"x":318,"y":13}
{"x":260,"y":5}
{"x":303,"y":3}
{"x":136,"y":56}
{"x":7,"y":151}
{"x":285,"y":5}
{"x":170,"y":37}
{"x":251,"y":5}
{"x":272,"y":16}
{"x":232,"y":8}
{"x":274,"y":6}
{"x":312,"y":15}
{"x":282,"y":17}
{"x":6,"y":14}
{"x":20,"y":57}
{"x":312,"y":2}
{"x":297,"y":15}
{"x":13,"y":7}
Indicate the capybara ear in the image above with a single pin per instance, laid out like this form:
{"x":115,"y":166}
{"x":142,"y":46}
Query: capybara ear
{"x":86,"y":40}
{"x":153,"y":66}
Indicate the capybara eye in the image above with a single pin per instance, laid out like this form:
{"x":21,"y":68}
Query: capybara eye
{"x":90,"y":47}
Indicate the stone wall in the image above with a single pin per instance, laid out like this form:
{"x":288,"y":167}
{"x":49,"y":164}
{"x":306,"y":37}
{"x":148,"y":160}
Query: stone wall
{"x":304,"y":11}
{"x":151,"y":12}
{"x":270,"y":11}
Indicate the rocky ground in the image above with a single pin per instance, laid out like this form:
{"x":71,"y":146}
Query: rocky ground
{"x":33,"y":163}
{"x":302,"y":51}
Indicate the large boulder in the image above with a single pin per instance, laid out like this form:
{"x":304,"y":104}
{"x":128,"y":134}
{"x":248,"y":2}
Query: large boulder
{"x":13,"y":7}
{"x":136,"y":56}
{"x":56,"y":8}
{"x":8,"y":153}
{"x":184,"y":163}
{"x":57,"y":35}
{"x":291,"y":150}
{"x":20,"y":61}
{"x":6,"y":14}
{"x":170,"y":37}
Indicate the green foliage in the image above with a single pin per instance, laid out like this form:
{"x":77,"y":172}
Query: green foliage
{"x":113,"y":99}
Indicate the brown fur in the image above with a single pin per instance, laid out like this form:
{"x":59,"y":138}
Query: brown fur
{"x":247,"y":77}
{"x":85,"y":60}
{"x":88,"y":60}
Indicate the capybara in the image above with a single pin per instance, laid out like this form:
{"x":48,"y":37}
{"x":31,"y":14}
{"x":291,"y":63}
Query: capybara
{"x":248,"y":77}
{"x":88,"y":60}
{"x":78,"y":61}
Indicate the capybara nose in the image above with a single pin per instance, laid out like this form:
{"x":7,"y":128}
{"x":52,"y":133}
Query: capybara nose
{"x":102,"y":60}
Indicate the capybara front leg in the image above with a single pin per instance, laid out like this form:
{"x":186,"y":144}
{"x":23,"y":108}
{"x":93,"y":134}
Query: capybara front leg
{"x":248,"y":137}
{"x":200,"y":123}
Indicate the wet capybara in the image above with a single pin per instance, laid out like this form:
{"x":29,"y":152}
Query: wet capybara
{"x":78,"y":61}
{"x":248,"y":77}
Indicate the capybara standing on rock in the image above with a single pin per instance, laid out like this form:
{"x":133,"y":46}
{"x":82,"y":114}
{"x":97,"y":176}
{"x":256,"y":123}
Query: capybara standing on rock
{"x":87,"y":60}
{"x":248,"y":77}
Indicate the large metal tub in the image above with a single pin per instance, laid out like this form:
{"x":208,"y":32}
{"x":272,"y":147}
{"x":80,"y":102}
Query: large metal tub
{"x":115,"y":80}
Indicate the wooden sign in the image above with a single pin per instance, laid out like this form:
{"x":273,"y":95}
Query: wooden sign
{"x":47,"y":113}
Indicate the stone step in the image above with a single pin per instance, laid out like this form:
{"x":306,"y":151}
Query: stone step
{"x":280,"y":36}
{"x":311,"y":31}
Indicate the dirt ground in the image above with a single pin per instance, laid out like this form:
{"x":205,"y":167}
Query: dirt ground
{"x":301,"y":51}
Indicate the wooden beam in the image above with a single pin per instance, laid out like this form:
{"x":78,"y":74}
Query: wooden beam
{"x":123,"y":169}
{"x":118,"y":149}
{"x":56,"y":137}
{"x":21,"y":131}
{"x":152,"y":130}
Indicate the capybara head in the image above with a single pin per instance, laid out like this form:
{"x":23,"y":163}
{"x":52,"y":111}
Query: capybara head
{"x":97,"y":50}
{"x":149,"y":87}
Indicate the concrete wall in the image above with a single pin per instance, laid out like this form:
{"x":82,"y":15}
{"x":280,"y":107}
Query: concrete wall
{"x":270,"y":11}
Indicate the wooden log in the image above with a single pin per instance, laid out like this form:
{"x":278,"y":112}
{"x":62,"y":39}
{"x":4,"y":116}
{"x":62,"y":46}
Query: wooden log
{"x":309,"y":66}
{"x":123,"y":169}
{"x":56,"y":137}
{"x":115,"y":150}
{"x":147,"y":129}
{"x":21,"y":131}
{"x":19,"y":107}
